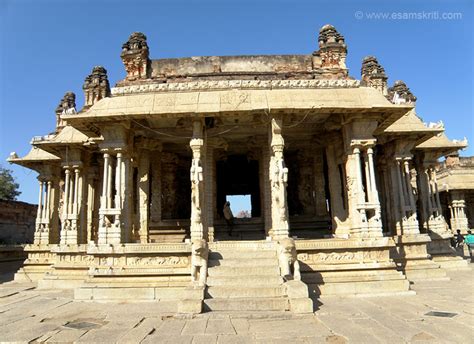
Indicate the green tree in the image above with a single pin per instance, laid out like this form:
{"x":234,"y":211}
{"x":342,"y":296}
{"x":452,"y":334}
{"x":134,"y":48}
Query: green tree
{"x":8,"y":187}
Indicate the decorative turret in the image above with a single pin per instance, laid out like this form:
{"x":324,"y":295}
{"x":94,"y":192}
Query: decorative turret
{"x":96,"y":86}
{"x":135,"y":57}
{"x":399,"y":93}
{"x":332,"y":48}
{"x":373,"y":74}
{"x":67,"y":106}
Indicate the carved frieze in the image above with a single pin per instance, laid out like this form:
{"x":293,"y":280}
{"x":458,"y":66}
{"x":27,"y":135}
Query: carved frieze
{"x":358,"y":256}
{"x":211,"y":85}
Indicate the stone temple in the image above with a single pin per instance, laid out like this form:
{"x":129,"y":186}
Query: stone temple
{"x":341,"y":173}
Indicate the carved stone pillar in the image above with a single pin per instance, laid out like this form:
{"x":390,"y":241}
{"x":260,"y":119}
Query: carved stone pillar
{"x":71,"y":228}
{"x":156,"y":186}
{"x":339,"y":215}
{"x":197,"y":179}
{"x":91,"y":205}
{"x":458,"y":211}
{"x":278,"y":179}
{"x":431,"y":218}
{"x":210,"y":190}
{"x":143,"y":193}
{"x":363,"y":200}
{"x":405,"y":216}
{"x":110,"y":229}
{"x":42,"y":227}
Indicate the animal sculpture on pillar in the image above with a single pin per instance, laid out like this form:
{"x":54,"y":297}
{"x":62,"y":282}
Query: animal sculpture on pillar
{"x":289,"y":265}
{"x":196,"y":179}
{"x":280,"y":179}
{"x":199,"y":256}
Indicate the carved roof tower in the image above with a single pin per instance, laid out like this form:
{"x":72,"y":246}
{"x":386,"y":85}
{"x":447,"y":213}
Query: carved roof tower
{"x":399,"y":93}
{"x":135,"y":56}
{"x":373,"y":74}
{"x":332,"y":48}
{"x":96,"y":86}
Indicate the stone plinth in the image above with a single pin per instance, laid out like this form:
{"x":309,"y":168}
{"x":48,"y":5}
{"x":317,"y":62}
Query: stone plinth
{"x":135,"y":272}
{"x":443,"y":253}
{"x":411,"y":256}
{"x":70,"y":268}
{"x":350,"y":267}
{"x":39,"y":261}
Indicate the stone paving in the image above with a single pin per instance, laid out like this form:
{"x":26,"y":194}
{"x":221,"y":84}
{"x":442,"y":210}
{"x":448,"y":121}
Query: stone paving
{"x":28,"y":314}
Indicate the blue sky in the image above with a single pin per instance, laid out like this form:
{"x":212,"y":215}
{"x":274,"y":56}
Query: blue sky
{"x":49,"y":47}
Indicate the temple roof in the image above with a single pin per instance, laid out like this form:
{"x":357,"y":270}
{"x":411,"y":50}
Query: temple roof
{"x":411,"y":123}
{"x":456,"y":176}
{"x":35,"y":155}
{"x":67,"y":135}
{"x":182,"y":103}
{"x":442,"y":144}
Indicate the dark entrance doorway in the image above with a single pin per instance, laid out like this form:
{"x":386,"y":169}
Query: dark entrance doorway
{"x":238,"y":175}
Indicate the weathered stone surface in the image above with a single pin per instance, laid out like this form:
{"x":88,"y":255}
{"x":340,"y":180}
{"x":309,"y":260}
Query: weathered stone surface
{"x":17,"y":223}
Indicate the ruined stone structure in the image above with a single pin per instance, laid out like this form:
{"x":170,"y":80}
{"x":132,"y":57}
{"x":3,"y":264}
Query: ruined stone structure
{"x":17,"y":222}
{"x":340,"y":172}
{"x":456,"y":185}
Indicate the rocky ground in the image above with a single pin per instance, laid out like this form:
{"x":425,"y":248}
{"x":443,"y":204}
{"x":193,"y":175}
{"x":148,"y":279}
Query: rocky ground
{"x":440,"y":312}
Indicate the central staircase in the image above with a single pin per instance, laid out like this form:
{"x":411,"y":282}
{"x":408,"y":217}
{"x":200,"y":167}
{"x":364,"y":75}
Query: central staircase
{"x":244,"y":276}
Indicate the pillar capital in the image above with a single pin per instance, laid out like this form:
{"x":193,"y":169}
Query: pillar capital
{"x":363,"y":144}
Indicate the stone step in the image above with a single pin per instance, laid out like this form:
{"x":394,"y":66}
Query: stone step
{"x":254,"y":281}
{"x":243,"y":291}
{"x":224,"y":236}
{"x":248,"y":245}
{"x":241,"y":262}
{"x":242,"y":255}
{"x":247,"y":304}
{"x":244,"y":271}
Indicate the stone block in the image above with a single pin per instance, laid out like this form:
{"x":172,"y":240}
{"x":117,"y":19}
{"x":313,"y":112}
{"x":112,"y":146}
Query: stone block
{"x":296,"y":289}
{"x":83,"y":294}
{"x":247,"y":304}
{"x":190,"y":306}
{"x":193,"y":292}
{"x":301,"y":305}
{"x":244,"y":291}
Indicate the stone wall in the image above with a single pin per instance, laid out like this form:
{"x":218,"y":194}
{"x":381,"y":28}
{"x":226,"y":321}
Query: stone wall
{"x":17,"y":222}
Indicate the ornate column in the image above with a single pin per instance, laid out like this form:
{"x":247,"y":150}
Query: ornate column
{"x":458,"y":212}
{"x":431,"y":219}
{"x":363,"y":200}
{"x":110,"y":229}
{"x":210,"y":187}
{"x":156,"y":186}
{"x":278,"y":179}
{"x":71,"y":226}
{"x":406,"y":221}
{"x":46,"y":216}
{"x":339,"y":215}
{"x":91,"y":205}
{"x":40,"y":228}
{"x":143,"y":193}
{"x":197,"y":187}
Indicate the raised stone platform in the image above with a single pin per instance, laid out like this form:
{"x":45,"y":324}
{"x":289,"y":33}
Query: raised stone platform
{"x":350,"y":267}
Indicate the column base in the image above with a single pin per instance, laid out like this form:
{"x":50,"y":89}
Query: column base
{"x":39,"y":261}
{"x":355,"y":266}
{"x":70,"y":268}
{"x":411,"y":256}
{"x":444,"y":254}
